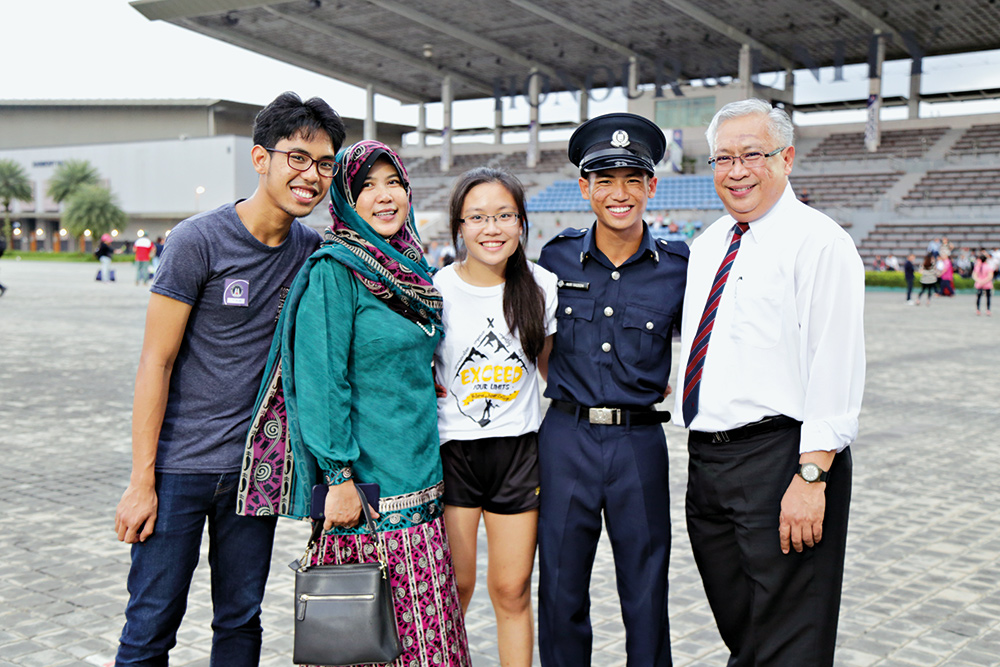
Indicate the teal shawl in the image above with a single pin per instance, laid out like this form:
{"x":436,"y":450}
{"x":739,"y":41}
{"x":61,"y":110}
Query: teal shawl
{"x":392,"y":269}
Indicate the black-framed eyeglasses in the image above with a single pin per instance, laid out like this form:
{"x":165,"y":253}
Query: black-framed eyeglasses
{"x":751,"y":159}
{"x":478,"y":221}
{"x":326,"y":168}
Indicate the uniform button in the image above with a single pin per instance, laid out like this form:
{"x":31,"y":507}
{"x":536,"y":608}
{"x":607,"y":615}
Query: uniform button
{"x":615,"y":275}
{"x":609,"y":311}
{"x":649,"y":325}
{"x":568,"y":311}
{"x":606,"y":347}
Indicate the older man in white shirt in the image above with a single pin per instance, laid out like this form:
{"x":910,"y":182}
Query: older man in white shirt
{"x":770,"y":384}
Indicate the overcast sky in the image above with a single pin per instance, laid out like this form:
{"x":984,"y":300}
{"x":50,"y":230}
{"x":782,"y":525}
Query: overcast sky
{"x":105,"y":49}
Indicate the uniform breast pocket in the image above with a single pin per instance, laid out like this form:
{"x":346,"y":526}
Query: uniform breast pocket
{"x":647,"y":335}
{"x":757,"y":315}
{"x":573,"y":330}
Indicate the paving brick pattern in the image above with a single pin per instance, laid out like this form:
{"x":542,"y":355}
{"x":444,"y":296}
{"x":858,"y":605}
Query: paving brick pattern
{"x":922,"y":586}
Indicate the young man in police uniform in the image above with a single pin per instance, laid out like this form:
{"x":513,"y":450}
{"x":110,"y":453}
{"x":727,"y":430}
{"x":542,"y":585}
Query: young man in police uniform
{"x":602,"y":448}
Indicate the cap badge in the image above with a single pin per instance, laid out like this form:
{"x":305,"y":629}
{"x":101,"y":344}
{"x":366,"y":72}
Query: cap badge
{"x":620,"y":139}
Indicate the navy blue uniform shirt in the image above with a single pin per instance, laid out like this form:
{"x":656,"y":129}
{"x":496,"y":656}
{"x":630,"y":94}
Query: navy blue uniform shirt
{"x":613,"y":341}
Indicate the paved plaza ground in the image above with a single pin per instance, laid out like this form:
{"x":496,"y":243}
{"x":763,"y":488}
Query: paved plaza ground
{"x":922,"y":585}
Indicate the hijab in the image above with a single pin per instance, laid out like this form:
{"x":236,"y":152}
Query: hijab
{"x":393,"y":269}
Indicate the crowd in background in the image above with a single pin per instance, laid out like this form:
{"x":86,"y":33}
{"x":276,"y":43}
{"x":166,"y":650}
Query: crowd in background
{"x":962,"y":261}
{"x":939,"y":266}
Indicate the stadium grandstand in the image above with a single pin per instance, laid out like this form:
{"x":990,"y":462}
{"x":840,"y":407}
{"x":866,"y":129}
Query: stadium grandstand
{"x":900,"y":173}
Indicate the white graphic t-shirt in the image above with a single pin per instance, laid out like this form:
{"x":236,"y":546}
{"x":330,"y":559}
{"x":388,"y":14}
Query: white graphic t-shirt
{"x":492,"y":388}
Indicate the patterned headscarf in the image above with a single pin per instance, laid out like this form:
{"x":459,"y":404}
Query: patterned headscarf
{"x":393,"y":269}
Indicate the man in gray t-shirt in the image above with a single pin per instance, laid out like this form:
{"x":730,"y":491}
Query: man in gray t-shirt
{"x":218,"y":291}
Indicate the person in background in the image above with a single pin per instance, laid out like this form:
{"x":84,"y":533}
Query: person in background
{"x":770,"y":385}
{"x":3,"y":249}
{"x":143,"y":249}
{"x":891,"y":262}
{"x":934,"y":247}
{"x":982,"y":274}
{"x":928,"y":278}
{"x":433,"y":254}
{"x":104,"y":253}
{"x":964,"y":262}
{"x":909,"y":271}
{"x":157,"y":251}
{"x":946,"y":247}
{"x":499,"y":321}
{"x":447,"y":256}
{"x":946,"y":275}
{"x":209,"y":324}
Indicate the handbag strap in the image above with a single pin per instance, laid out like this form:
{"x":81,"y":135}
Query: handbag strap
{"x":317,"y":533}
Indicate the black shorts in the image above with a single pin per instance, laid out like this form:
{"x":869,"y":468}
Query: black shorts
{"x":498,"y":474}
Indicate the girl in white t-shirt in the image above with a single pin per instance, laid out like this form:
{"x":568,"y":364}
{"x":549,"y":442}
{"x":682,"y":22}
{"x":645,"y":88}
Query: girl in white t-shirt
{"x":499,"y":321}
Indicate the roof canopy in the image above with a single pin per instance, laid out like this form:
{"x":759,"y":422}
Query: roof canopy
{"x":405,"y":48}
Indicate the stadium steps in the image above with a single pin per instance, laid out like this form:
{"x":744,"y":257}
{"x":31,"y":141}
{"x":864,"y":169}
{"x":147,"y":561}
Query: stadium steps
{"x":901,"y":239}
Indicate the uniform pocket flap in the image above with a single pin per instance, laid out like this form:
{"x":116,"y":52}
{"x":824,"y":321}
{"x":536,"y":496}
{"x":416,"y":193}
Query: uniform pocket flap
{"x":646,"y":319}
{"x":575,"y":308}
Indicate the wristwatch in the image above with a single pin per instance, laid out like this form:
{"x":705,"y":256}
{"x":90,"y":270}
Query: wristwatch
{"x":812,"y":473}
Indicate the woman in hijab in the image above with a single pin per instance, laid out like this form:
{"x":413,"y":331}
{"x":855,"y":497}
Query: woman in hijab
{"x":351,"y":367}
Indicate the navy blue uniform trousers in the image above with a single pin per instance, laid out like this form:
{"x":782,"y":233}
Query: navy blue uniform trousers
{"x":621,"y":470}
{"x":772,"y":609}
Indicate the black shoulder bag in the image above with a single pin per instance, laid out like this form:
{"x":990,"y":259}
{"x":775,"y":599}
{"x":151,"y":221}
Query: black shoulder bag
{"x":344,"y":613}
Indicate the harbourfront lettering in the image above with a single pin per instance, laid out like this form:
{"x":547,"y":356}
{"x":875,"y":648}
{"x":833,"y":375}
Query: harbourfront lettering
{"x":667,"y":72}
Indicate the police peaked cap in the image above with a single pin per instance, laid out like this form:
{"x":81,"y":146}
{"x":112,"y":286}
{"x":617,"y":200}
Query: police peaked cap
{"x":617,"y":140}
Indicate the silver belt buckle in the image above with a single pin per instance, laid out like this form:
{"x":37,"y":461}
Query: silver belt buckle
{"x":610,"y":416}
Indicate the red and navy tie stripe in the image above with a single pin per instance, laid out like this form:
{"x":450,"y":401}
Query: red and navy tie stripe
{"x":699,"y":346}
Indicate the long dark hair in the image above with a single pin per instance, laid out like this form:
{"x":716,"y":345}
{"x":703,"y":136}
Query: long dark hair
{"x":523,"y":299}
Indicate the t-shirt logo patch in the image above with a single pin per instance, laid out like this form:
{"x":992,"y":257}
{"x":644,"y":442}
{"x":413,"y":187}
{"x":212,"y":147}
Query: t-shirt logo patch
{"x":237,"y":292}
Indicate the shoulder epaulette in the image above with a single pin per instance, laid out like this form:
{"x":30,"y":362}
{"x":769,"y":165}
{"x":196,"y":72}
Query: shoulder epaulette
{"x":568,"y":233}
{"x":678,"y":248}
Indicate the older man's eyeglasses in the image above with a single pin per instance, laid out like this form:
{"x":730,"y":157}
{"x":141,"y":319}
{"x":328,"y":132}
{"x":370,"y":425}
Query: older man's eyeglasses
{"x":479,"y":221}
{"x":301,"y":162}
{"x":750,"y":160}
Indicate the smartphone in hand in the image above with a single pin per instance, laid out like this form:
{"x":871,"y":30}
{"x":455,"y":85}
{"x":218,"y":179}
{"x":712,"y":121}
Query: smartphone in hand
{"x":370,"y":489}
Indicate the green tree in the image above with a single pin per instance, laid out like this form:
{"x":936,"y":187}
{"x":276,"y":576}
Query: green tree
{"x":14,"y":186}
{"x":69,"y":177}
{"x":92,"y":207}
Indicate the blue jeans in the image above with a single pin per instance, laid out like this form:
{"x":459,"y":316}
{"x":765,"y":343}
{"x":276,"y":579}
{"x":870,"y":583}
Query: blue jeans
{"x":105,"y":269}
{"x":239,"y":554}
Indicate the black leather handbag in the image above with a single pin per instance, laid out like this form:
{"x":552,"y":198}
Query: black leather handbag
{"x":344,"y":613}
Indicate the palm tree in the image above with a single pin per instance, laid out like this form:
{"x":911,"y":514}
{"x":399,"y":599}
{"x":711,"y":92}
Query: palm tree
{"x":92,"y":207}
{"x":14,"y":186}
{"x":69,"y":177}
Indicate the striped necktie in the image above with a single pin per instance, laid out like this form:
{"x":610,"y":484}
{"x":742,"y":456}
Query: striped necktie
{"x":699,"y":346}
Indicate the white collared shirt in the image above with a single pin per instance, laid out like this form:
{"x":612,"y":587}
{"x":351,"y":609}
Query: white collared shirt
{"x":788,"y":337}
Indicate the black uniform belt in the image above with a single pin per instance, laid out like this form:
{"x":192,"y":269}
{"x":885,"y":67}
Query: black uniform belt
{"x":765,"y":425}
{"x":614,"y":416}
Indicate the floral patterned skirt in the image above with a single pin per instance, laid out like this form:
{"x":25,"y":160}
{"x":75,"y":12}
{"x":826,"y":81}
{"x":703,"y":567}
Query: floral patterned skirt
{"x":428,"y":610}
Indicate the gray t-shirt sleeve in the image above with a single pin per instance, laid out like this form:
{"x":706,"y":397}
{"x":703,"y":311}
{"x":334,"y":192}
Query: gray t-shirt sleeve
{"x":184,"y":265}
